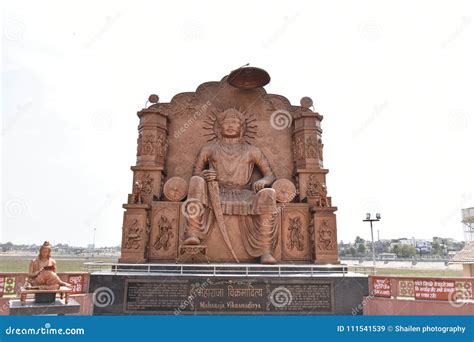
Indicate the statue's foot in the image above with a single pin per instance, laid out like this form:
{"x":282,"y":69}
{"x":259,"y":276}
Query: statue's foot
{"x":192,"y":240}
{"x":267,"y":259}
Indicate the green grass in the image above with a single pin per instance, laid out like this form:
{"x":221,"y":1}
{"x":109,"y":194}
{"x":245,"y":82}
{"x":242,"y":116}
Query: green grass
{"x":64,"y":263}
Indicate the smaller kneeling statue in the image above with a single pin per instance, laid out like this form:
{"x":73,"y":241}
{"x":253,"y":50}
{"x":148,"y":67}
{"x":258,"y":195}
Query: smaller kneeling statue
{"x":42,"y":273}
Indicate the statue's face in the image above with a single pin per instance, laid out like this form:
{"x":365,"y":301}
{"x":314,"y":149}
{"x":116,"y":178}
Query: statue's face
{"x":231,"y":127}
{"x":44,"y":252}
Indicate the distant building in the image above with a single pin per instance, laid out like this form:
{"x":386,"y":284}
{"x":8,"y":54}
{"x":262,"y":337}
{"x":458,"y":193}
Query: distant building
{"x":468,"y":223}
{"x":466,"y":258}
{"x":388,"y":256}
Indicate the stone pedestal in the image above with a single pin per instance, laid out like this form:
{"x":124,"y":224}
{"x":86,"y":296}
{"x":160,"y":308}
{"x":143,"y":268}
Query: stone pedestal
{"x":229,"y":295}
{"x":57,"y":307}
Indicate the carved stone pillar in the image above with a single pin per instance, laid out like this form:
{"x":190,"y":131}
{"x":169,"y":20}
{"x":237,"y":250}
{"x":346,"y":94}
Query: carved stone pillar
{"x":307,"y":141}
{"x":151,"y":152}
{"x":325,"y":236}
{"x":135,"y":232}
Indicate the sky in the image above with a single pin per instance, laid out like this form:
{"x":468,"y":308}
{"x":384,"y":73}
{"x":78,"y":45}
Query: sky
{"x":393,"y":80}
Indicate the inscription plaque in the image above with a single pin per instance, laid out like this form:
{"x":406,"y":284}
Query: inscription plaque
{"x":227,"y":296}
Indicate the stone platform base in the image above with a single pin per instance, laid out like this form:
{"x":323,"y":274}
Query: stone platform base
{"x":157,"y":294}
{"x":58,"y":307}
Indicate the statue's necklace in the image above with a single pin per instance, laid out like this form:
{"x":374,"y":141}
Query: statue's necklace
{"x":230,"y":154}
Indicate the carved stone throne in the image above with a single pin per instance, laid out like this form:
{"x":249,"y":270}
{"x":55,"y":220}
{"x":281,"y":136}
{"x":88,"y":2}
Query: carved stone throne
{"x":169,"y":138}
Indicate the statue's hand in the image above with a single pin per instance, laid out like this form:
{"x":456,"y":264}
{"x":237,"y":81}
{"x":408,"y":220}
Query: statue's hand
{"x":259,"y":185}
{"x":209,"y":175}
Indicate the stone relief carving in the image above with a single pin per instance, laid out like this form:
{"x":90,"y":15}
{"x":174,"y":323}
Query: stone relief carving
{"x":164,"y":233}
{"x":320,"y":149}
{"x":325,"y":237}
{"x":299,"y":148}
{"x":295,"y":236}
{"x":133,"y":239}
{"x":139,"y":144}
{"x":149,"y":144}
{"x":147,"y":184}
{"x":311,"y":147}
{"x":318,"y":191}
{"x":161,"y":146}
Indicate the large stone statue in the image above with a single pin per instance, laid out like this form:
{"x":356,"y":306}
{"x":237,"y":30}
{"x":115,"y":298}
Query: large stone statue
{"x":229,"y":162}
{"x":42,"y":272}
{"x":229,"y":173}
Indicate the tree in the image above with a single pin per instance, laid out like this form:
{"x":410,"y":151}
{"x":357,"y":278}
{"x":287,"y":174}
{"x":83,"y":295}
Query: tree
{"x":407,"y":251}
{"x":361,"y":248}
{"x":436,"y":249}
{"x":352,"y":250}
{"x":396,"y":250}
{"x":404,"y":251}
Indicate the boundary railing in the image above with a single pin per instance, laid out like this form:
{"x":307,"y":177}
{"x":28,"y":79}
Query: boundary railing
{"x":248,"y":270}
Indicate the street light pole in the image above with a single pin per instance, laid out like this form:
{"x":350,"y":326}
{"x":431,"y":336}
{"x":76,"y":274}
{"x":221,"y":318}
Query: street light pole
{"x":368,"y":219}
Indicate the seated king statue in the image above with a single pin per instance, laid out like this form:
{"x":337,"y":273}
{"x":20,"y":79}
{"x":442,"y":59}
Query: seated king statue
{"x":222,"y":181}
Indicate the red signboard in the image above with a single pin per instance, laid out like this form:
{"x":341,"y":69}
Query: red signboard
{"x":381,"y":287}
{"x":78,"y":282}
{"x":442,"y":289}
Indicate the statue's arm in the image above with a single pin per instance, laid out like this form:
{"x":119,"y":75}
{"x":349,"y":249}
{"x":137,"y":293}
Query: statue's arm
{"x":201,"y":161}
{"x":31,"y":271}
{"x":262,"y":163}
